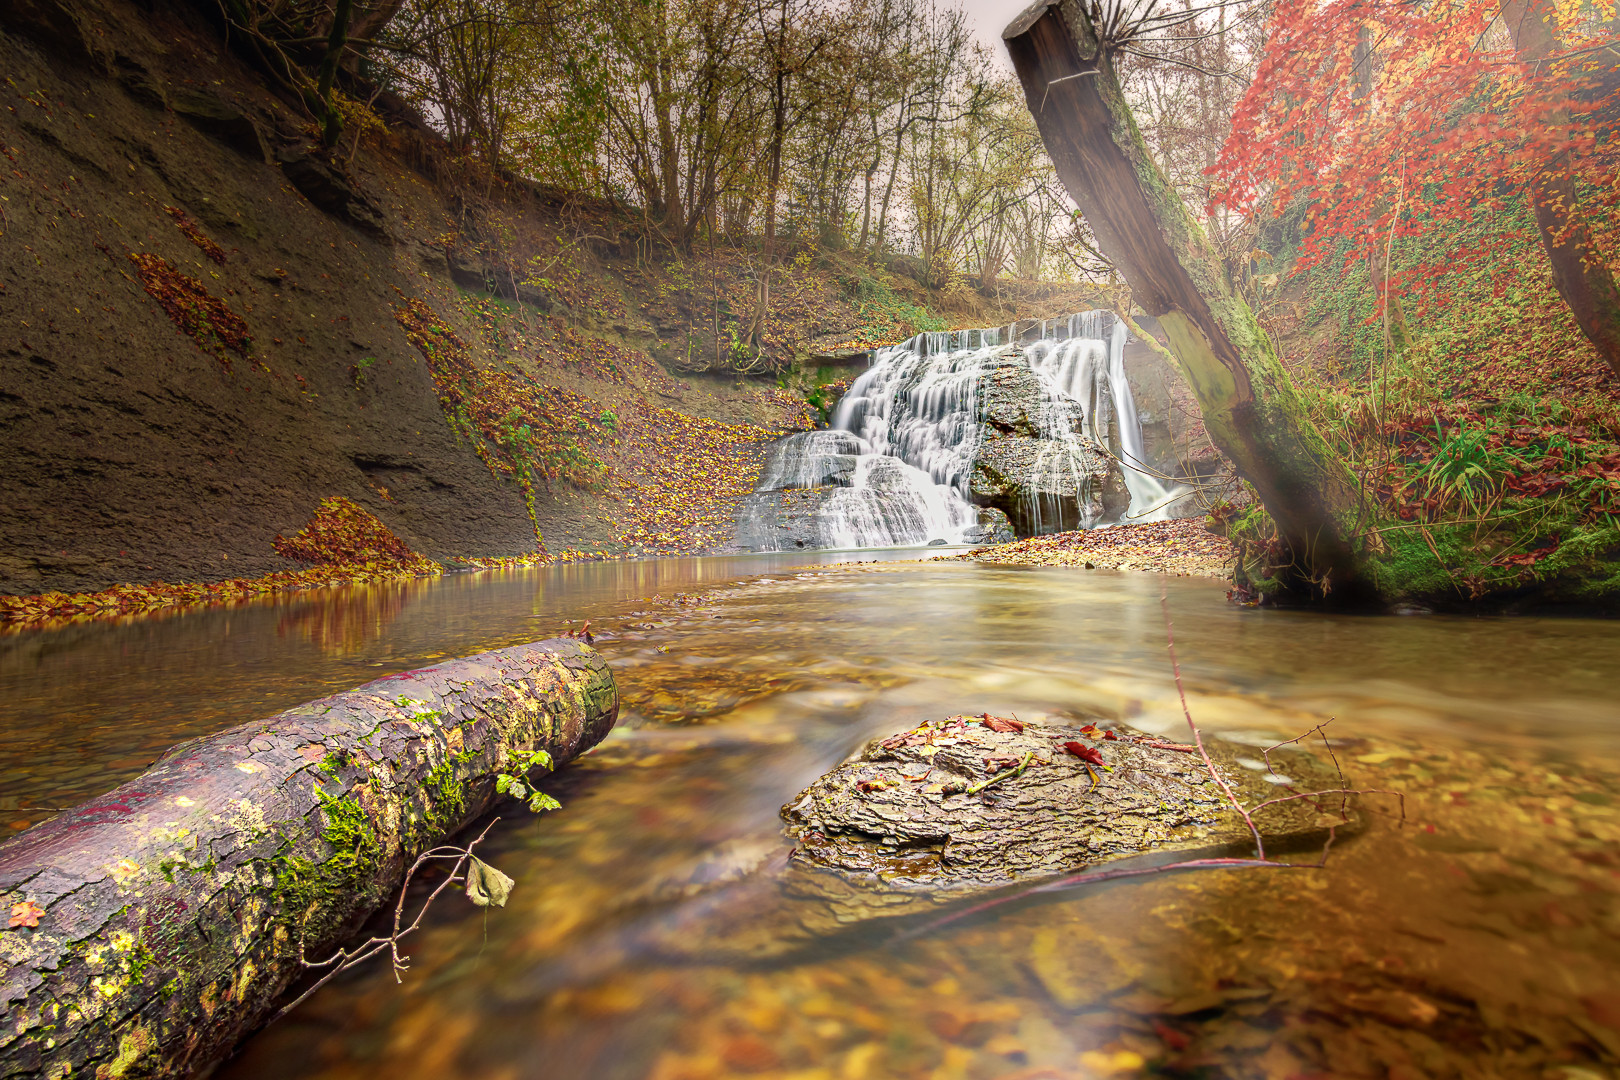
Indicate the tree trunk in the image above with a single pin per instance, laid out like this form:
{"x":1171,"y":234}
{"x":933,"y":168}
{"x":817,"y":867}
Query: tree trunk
{"x":1580,"y":273}
{"x":172,"y":911}
{"x":773,"y":182}
{"x":332,"y":123}
{"x":1249,"y":404}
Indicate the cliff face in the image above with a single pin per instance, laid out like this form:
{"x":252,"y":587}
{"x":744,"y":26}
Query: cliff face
{"x":133,"y":448}
{"x":207,"y":326}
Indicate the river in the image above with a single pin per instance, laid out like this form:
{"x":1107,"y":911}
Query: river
{"x":1478,"y":937}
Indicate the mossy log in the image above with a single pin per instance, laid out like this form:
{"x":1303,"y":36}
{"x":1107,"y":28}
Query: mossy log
{"x":171,"y":913}
{"x":1249,"y":404}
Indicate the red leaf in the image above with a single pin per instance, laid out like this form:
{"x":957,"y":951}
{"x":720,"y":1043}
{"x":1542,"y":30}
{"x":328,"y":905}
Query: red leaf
{"x":1084,"y":752}
{"x":1002,"y":723}
{"x":1174,"y":1039}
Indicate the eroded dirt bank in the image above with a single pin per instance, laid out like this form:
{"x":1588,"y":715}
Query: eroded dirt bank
{"x":210,"y":327}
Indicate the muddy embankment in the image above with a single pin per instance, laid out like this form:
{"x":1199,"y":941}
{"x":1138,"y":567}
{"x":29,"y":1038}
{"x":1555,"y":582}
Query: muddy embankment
{"x":210,"y":326}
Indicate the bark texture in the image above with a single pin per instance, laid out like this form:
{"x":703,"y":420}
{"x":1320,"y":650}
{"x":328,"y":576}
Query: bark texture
{"x":1580,"y":273}
{"x":172,"y":911}
{"x":1249,"y":404}
{"x":870,"y":822}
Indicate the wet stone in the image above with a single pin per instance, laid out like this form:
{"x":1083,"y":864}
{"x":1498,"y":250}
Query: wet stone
{"x":976,"y":803}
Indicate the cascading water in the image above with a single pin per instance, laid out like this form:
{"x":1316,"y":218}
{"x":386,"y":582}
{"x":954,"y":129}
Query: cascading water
{"x":897,"y":466}
{"x":1088,"y":366}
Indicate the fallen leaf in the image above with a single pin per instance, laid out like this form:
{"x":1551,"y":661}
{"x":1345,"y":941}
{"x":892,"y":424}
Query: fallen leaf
{"x":26,"y":913}
{"x":1084,"y":753}
{"x":486,"y":886}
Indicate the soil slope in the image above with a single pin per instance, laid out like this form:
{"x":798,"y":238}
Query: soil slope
{"x":209,"y":327}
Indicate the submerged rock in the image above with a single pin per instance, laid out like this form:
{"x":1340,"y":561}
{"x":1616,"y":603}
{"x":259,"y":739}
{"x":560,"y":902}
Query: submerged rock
{"x":975,"y":803}
{"x":956,"y":810}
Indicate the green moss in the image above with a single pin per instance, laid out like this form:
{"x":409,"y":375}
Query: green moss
{"x":1467,"y":563}
{"x":445,"y":792}
{"x":304,"y":886}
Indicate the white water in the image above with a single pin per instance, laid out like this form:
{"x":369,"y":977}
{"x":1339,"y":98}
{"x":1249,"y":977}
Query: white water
{"x":903,"y":440}
{"x":1088,"y":366}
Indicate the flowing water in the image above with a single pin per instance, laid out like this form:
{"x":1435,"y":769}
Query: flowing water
{"x":901,"y":447}
{"x":1478,"y":938}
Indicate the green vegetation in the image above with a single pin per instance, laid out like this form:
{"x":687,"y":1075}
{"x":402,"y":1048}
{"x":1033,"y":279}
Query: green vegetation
{"x":886,"y":315}
{"x":515,"y":783}
{"x":305,"y":885}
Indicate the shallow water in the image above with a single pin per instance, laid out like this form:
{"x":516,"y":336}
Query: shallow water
{"x":1480,"y":937}
{"x":88,"y":706}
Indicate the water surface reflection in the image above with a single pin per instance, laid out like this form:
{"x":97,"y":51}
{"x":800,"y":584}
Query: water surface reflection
{"x":1482,"y":938}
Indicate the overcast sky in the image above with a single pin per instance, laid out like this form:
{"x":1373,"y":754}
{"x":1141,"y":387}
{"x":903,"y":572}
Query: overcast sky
{"x":990,"y":18}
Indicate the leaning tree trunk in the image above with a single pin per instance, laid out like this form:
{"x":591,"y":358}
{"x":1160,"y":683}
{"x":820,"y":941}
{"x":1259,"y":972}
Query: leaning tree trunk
{"x":1249,"y":404}
{"x":1580,"y":273}
{"x":153,"y":927}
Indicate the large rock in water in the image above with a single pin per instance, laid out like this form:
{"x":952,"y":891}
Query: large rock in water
{"x":1041,"y":483}
{"x":971,"y":804}
{"x":942,"y":814}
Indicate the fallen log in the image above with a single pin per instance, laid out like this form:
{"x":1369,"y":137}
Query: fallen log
{"x":150,"y":929}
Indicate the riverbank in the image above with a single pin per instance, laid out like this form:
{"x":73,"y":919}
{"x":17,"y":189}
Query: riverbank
{"x":1184,"y":548}
{"x":216,"y":325}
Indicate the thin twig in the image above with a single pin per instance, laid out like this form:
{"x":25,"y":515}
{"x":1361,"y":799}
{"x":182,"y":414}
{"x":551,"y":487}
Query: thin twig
{"x":1198,"y":736}
{"x":344,"y":959}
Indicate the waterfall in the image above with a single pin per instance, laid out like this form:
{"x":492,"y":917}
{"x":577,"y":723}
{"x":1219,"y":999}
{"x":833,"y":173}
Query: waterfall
{"x":1087,"y":366}
{"x":896,"y":467}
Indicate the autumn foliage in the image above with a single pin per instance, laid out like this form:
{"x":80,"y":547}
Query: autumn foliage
{"x":205,"y":244}
{"x":344,"y":534}
{"x":345,"y":543}
{"x":1390,"y":119}
{"x":199,"y":314}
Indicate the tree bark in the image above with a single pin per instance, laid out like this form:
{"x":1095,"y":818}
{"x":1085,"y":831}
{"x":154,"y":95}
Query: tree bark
{"x":1250,"y":406}
{"x":172,"y":911}
{"x":332,"y":123}
{"x":773,"y":180}
{"x":1580,"y":273}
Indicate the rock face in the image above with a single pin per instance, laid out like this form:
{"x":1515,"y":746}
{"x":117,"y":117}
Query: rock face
{"x":974,"y":803}
{"x":993,"y":528}
{"x":1040,"y":483}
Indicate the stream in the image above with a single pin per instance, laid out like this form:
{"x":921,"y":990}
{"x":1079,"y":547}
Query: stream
{"x":1479,"y":936}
